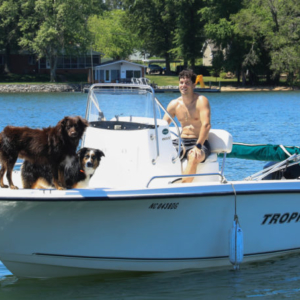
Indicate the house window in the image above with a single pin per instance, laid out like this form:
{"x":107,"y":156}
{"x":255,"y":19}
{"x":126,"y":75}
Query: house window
{"x":88,"y":61}
{"x":60,"y":62}
{"x":74,"y":62}
{"x":106,"y":75}
{"x":43,"y":63}
{"x":96,"y":60}
{"x":100,"y":75}
{"x":71,"y":62}
{"x":31,"y":60}
{"x":130,"y":74}
{"x":115,"y":75}
{"x":67,"y":62}
{"x":81,"y":62}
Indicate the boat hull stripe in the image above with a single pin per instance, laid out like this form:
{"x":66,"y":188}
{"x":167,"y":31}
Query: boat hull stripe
{"x":159,"y":259}
{"x":148,"y":196}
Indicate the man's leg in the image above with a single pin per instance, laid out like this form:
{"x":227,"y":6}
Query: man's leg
{"x":194,"y":158}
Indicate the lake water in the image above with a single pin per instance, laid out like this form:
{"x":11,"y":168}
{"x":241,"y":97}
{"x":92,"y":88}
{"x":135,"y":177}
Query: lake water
{"x":254,"y":118}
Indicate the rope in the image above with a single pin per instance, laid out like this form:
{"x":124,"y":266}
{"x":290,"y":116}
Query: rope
{"x":285,"y":151}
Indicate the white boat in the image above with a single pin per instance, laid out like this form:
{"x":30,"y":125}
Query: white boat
{"x":135,"y":216}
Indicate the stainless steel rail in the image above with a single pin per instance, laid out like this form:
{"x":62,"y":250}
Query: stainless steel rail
{"x":117,"y":86}
{"x":177,"y":128}
{"x":223,"y":180}
{"x":290,"y":161}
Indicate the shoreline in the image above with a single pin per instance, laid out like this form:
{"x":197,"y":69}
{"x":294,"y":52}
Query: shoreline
{"x":59,"y":88}
{"x":258,"y":89}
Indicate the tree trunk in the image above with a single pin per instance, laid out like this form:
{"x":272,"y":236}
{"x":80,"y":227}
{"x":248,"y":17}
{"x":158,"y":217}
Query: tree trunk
{"x":185,"y":64}
{"x":168,"y":69}
{"x":7,"y":59}
{"x":193,"y":61}
{"x":243,"y":77}
{"x":53,"y":65}
{"x":238,"y":75}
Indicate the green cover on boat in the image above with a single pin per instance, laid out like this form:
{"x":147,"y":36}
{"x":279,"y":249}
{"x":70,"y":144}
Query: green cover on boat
{"x":265,"y":152}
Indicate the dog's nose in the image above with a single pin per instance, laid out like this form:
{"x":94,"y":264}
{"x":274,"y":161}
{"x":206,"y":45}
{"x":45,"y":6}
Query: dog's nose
{"x":89,"y":164}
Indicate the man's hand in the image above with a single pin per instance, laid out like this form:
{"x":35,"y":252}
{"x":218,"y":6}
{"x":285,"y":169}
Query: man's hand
{"x":196,"y":155}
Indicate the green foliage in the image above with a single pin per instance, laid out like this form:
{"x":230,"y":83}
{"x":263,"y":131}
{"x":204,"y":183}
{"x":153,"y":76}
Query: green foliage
{"x":258,"y":37}
{"x":153,"y":22}
{"x":219,"y":29}
{"x":9,"y":30}
{"x":189,"y":35}
{"x":52,"y":28}
{"x":272,"y":29}
{"x":111,"y":36}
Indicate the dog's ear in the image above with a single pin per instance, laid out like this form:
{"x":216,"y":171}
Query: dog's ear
{"x":61,"y":124}
{"x":64,"y":121}
{"x":82,"y":122}
{"x":99,"y":153}
{"x":81,"y":152}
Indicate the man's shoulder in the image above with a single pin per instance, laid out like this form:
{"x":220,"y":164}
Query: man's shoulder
{"x":201,"y":98}
{"x":176,"y":101}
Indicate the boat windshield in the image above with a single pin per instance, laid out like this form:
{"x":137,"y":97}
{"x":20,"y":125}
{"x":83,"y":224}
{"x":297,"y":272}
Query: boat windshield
{"x":122,"y":103}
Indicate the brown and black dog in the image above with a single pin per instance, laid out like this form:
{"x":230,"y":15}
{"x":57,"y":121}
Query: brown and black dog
{"x":78,"y":170}
{"x":40,"y":146}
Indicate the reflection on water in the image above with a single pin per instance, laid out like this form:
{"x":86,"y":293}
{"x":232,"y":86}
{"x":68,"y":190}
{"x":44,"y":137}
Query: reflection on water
{"x":250,"y":118}
{"x":276,"y":279}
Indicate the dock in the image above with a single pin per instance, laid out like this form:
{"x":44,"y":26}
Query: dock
{"x":197,"y":90}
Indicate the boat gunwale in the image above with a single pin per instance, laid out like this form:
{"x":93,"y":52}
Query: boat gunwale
{"x":93,"y":195}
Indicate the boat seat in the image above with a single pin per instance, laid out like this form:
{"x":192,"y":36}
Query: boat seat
{"x":220,"y":142}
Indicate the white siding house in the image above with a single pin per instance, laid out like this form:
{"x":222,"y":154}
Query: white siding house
{"x":118,"y":71}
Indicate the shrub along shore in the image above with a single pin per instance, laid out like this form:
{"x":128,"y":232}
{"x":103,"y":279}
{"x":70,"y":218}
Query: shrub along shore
{"x":59,"y":88}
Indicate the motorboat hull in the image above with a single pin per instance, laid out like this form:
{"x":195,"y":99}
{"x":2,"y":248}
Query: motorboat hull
{"x":81,"y":232}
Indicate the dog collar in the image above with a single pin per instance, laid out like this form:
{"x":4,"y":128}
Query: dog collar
{"x":81,"y":171}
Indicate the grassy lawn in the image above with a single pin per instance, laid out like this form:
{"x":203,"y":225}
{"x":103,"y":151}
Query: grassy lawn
{"x":160,"y":80}
{"x":164,"y":80}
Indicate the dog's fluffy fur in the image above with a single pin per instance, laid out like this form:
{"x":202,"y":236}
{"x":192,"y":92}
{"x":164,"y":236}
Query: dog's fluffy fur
{"x":40,"y":146}
{"x":77,"y":170}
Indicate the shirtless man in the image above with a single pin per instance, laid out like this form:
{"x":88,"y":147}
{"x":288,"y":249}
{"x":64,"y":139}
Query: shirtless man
{"x":193,"y":113}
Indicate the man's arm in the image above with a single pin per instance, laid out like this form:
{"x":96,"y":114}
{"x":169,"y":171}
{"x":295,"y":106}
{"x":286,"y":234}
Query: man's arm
{"x":204,"y":118}
{"x":171,"y":110}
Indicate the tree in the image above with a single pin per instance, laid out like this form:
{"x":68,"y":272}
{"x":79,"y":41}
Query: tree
{"x":273,"y":28}
{"x":189,"y":32}
{"x":111,"y":36}
{"x":9,"y":30}
{"x":113,"y":4}
{"x":219,"y":28}
{"x":55,"y":27}
{"x":153,"y":22}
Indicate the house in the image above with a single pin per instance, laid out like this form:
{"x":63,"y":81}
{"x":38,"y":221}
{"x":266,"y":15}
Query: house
{"x":24,"y":62}
{"x":208,"y":53}
{"x":138,"y":56}
{"x":117,"y":71}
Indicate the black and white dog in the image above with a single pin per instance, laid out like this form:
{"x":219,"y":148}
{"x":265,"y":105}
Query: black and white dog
{"x":76,"y":171}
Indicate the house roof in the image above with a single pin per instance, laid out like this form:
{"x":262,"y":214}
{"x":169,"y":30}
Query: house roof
{"x":118,"y":62}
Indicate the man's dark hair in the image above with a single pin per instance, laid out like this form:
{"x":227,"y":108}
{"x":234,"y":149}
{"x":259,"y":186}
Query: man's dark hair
{"x":188,"y":74}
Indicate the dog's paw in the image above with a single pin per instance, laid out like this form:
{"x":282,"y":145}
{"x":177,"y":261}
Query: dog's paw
{"x":61,"y":188}
{"x":13,"y":187}
{"x":4,"y":186}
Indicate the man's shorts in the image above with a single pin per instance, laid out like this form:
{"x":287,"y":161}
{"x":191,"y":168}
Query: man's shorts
{"x":189,"y":144}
